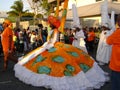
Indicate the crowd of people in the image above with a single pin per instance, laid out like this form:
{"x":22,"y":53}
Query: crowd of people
{"x":26,"y":40}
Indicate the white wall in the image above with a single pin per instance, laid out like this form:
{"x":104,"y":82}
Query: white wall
{"x":1,"y":20}
{"x":80,"y":2}
{"x":23,"y":25}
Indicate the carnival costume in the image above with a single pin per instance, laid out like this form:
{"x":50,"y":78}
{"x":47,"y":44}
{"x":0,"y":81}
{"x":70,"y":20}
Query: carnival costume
{"x":59,"y":66}
{"x":103,"y":54}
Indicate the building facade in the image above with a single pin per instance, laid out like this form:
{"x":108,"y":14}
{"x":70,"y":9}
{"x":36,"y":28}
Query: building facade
{"x":89,"y":11}
{"x":3,"y":15}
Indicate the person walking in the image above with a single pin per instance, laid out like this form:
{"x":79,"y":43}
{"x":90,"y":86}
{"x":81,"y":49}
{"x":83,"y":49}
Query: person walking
{"x":114,"y":40}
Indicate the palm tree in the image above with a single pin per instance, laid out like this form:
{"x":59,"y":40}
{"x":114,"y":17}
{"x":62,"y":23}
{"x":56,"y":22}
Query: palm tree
{"x":17,"y":11}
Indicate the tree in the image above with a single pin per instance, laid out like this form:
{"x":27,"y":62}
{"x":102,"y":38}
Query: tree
{"x":41,"y":7}
{"x":17,"y":11}
{"x":27,"y":16}
{"x":34,"y":7}
{"x":47,"y":7}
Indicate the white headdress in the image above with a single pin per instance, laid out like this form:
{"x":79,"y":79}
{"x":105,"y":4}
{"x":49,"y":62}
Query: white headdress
{"x":76,"y":20}
{"x":105,"y":20}
{"x":113,"y":20}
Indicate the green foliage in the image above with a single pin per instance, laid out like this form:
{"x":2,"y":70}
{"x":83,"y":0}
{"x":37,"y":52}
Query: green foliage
{"x":17,"y":9}
{"x":17,"y":12}
{"x":11,"y":18}
{"x":39,"y":16}
{"x":28,"y":14}
{"x":36,"y":1}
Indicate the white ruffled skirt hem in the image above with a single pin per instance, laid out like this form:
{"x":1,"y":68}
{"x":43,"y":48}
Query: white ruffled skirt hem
{"x":93,"y":79}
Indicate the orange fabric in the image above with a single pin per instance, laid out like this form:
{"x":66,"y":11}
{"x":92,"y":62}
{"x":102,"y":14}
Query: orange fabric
{"x":63,"y":18}
{"x":5,"y":56}
{"x":54,"y":21}
{"x":114,"y":40}
{"x":5,"y":39}
{"x":91,"y":36}
{"x":57,"y":68}
{"x":7,"y":22}
{"x":57,"y":9}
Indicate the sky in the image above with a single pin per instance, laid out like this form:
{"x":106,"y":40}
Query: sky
{"x":6,"y":4}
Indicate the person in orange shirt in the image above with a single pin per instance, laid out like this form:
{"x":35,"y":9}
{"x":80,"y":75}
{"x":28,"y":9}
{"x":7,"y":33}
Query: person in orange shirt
{"x":90,"y":40}
{"x":7,"y":42}
{"x":114,"y":40}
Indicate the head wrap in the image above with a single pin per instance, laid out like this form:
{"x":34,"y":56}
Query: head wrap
{"x":7,"y":22}
{"x":54,"y":21}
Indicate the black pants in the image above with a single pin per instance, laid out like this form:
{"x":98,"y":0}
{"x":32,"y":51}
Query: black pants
{"x":1,"y":49}
{"x":115,"y":80}
{"x":21,"y":47}
{"x":90,"y":45}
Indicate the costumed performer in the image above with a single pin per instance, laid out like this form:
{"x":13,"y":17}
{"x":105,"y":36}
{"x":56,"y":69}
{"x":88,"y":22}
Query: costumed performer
{"x":7,"y":43}
{"x":79,"y":39}
{"x":104,"y":50}
{"x":79,"y":36}
{"x":59,"y":66}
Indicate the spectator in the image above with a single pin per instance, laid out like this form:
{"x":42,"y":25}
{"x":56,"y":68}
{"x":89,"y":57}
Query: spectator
{"x":33,"y":39}
{"x":90,"y":40}
{"x":40,"y":36}
{"x":114,"y":40}
{"x":21,"y":42}
{"x":44,"y":34}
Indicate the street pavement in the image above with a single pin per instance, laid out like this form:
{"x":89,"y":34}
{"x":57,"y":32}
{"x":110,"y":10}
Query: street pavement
{"x":8,"y":81}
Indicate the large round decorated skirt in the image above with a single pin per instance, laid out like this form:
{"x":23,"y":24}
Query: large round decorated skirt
{"x":61,"y":67}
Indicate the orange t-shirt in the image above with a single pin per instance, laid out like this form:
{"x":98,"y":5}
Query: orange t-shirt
{"x":5,"y":39}
{"x":91,"y":36}
{"x":114,"y":40}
